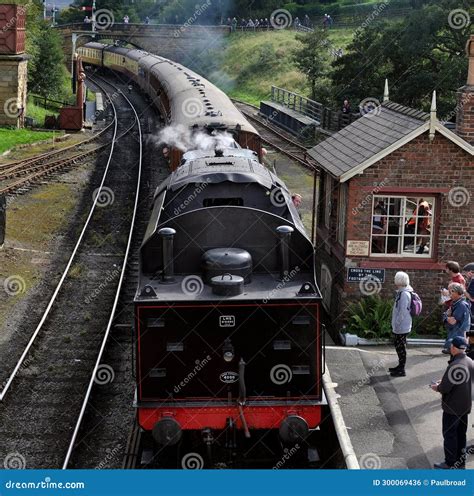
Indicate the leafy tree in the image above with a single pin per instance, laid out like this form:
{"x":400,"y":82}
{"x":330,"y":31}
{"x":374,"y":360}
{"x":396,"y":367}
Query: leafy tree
{"x":136,"y":11}
{"x":310,"y":58}
{"x":47,"y":74}
{"x":417,"y":55}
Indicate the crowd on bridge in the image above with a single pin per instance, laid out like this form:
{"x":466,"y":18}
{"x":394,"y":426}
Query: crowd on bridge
{"x":270,"y":22}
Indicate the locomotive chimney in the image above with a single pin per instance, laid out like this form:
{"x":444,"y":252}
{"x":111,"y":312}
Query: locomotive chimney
{"x":167,"y":235}
{"x":284,"y":235}
{"x":465,"y":95}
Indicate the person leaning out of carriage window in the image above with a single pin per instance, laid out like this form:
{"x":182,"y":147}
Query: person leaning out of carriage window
{"x":346,"y":107}
{"x":401,"y":321}
{"x":297,"y":200}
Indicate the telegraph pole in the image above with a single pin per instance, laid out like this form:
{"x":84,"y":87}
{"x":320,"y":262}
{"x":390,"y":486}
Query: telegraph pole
{"x":93,"y":15}
{"x":44,"y":10}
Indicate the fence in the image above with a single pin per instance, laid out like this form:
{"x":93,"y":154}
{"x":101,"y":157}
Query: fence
{"x":47,"y":103}
{"x":330,"y":120}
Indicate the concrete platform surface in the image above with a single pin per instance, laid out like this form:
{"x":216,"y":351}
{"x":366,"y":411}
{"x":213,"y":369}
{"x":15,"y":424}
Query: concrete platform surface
{"x":393,"y":422}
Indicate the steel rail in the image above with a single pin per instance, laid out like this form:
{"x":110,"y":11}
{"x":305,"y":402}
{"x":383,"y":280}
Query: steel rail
{"x":117,"y":296}
{"x":45,"y":156}
{"x":66,"y":270}
{"x":53,"y":166}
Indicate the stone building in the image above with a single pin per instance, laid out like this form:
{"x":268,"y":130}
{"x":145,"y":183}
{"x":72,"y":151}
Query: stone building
{"x":396,"y":193}
{"x":13,"y":65}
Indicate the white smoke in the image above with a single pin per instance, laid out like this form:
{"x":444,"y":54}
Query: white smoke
{"x":184,"y":139}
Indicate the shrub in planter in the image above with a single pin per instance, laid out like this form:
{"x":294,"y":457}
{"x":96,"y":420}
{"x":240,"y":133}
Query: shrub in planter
{"x":370,"y":318}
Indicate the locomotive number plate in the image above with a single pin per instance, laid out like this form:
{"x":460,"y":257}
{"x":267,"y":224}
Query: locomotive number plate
{"x":229,"y":377}
{"x":226,"y":321}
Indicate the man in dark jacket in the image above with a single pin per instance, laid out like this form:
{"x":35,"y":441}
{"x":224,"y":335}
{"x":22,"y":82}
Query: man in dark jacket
{"x":455,"y":388}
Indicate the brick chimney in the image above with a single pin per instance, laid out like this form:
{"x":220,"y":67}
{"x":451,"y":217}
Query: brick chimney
{"x":13,"y":65}
{"x":465,"y":98}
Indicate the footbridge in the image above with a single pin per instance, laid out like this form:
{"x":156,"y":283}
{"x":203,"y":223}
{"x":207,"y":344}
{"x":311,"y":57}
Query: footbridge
{"x":176,"y":42}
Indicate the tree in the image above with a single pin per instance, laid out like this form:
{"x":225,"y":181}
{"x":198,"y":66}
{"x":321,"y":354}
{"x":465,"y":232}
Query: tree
{"x":136,"y":11}
{"x":417,"y":55}
{"x":310,"y":58}
{"x":46,"y":75}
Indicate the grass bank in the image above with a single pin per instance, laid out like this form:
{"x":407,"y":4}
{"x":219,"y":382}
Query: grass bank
{"x":13,"y":137}
{"x":248,"y":64}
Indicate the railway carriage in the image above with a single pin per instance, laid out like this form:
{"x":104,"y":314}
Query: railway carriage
{"x":182,"y":96}
{"x":228,"y":341}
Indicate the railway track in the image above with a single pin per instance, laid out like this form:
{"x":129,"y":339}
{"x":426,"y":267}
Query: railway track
{"x":102,"y":439}
{"x":277,"y":138}
{"x":15,"y":175}
{"x":44,"y":398}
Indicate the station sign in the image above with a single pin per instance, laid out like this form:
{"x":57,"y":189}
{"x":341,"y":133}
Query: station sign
{"x":357,"y":248}
{"x":355,"y":274}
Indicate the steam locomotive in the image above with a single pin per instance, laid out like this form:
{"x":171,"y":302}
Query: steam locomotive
{"x":228,"y":336}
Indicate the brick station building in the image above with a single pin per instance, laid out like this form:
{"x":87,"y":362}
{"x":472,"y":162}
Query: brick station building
{"x":396,"y":193}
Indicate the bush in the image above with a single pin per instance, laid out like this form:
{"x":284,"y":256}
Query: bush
{"x":371,"y":317}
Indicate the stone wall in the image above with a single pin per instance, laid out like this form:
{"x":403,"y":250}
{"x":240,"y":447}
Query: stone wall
{"x":13,"y":89}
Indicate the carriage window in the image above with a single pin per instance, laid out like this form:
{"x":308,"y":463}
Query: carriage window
{"x":402,"y":226}
{"x":219,"y":202}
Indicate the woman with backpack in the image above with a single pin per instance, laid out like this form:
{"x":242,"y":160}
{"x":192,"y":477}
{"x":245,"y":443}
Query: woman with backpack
{"x":402,"y":321}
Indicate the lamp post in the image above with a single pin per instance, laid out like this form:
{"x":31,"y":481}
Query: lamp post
{"x":75,"y":37}
{"x":93,"y":16}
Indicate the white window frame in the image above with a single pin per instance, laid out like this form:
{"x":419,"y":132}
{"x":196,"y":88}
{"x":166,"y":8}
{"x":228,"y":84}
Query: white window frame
{"x":404,"y":216}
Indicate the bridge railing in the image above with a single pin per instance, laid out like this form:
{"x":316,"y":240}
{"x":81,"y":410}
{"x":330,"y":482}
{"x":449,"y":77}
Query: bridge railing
{"x":329,"y":119}
{"x":120,"y":26}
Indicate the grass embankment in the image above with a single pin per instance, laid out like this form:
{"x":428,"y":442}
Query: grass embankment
{"x":250,"y":63}
{"x":13,"y":137}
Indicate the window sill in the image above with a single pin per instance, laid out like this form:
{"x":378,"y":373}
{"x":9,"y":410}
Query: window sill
{"x":402,"y":263}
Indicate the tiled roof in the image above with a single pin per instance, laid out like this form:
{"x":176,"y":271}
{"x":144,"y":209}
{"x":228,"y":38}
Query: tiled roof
{"x":366,"y":137}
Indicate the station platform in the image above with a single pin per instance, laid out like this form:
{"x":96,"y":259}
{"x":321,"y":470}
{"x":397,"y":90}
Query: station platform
{"x":393,"y":422}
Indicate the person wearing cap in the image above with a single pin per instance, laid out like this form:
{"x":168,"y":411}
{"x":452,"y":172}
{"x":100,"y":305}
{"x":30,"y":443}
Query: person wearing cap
{"x":456,"y":398}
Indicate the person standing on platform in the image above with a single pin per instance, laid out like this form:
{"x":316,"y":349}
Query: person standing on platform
{"x":456,"y":390}
{"x":401,"y":321}
{"x":457,"y":318}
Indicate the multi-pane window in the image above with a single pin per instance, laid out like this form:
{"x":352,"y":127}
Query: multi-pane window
{"x":402,"y":225}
